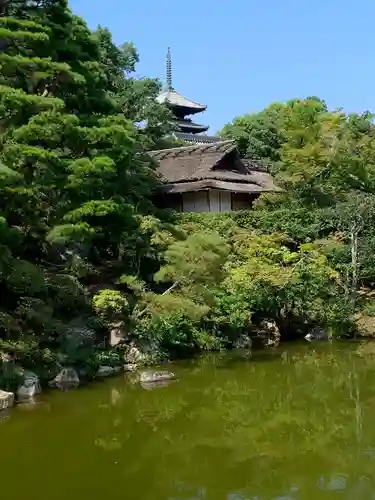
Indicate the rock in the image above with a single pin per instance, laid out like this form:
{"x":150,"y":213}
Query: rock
{"x":26,"y":393}
{"x":30,"y":387}
{"x":133,"y":355}
{"x":6,"y":400}
{"x":106,"y":371}
{"x":317,"y":333}
{"x":270,"y":330}
{"x":365,"y":325}
{"x":152,"y":377}
{"x":128,"y":367}
{"x":116,"y":334}
{"x":66,"y":379}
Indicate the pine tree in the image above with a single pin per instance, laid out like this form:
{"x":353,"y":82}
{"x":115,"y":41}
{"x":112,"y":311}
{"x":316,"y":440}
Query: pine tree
{"x":74,"y":185}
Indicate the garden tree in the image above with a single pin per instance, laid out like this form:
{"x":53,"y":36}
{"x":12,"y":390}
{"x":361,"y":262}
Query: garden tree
{"x":296,"y":288}
{"x":173,"y":317}
{"x":76,"y":216}
{"x":353,"y":257}
{"x":28,"y":184}
{"x":326,"y":157}
{"x":191,"y":266}
{"x":74,"y":186}
{"x":134,"y":97}
{"x":217,"y":289}
{"x":327,"y":169}
{"x":259,"y":136}
{"x":321,"y":161}
{"x":94,"y":153}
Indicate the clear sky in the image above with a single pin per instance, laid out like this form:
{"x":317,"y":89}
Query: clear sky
{"x":238,"y":56}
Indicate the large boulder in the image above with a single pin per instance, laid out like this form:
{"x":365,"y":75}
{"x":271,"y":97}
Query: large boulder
{"x":6,"y":400}
{"x":66,"y":379}
{"x":365,"y":325}
{"x":30,"y":387}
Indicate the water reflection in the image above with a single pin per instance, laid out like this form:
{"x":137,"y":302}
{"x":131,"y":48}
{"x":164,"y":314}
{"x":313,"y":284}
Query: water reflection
{"x":296,"y":425}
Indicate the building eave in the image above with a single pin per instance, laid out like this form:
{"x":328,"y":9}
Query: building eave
{"x":207,"y":184}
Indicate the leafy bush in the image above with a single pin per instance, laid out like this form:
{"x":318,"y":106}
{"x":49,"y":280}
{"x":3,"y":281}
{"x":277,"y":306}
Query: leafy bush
{"x":10,"y":377}
{"x":177,"y":336}
{"x":111,"y":305}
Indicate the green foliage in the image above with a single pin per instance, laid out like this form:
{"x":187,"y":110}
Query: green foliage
{"x":259,"y":135}
{"x":10,"y":377}
{"x":109,"y":358}
{"x":110,"y":305}
{"x":75,"y":185}
{"x":80,"y":235}
{"x":177,"y":335}
{"x":195,"y":261}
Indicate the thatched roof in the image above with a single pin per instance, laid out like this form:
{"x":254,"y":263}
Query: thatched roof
{"x":211,"y":166}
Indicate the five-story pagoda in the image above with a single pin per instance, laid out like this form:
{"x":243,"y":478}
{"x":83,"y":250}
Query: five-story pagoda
{"x":183,"y":126}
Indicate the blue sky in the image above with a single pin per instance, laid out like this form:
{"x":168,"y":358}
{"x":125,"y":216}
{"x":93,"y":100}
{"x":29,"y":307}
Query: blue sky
{"x":238,"y":56}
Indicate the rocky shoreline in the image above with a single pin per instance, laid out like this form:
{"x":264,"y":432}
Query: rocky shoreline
{"x":28,"y":384}
{"x":133,"y":359}
{"x":68,"y":379}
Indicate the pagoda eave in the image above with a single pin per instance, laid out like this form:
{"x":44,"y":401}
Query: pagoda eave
{"x":190,"y":127}
{"x":184,"y":110}
{"x":181,"y":105}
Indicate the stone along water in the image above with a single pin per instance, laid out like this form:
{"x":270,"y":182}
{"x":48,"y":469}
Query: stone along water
{"x":291,"y":424}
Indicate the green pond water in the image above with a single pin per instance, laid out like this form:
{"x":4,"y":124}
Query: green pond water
{"x":297,"y":423}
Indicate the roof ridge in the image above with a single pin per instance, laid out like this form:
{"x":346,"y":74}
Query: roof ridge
{"x":201,"y":147}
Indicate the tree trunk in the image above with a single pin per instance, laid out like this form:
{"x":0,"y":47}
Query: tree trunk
{"x":354,"y":252}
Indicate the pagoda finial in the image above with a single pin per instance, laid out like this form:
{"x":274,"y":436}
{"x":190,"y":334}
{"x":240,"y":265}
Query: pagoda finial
{"x":169,"y":70}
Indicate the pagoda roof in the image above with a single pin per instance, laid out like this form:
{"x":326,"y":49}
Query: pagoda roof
{"x":206,"y":166}
{"x":176,"y":100}
{"x":189,"y":126}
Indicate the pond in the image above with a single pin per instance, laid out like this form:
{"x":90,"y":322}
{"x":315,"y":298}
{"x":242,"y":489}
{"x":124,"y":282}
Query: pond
{"x":295,"y":423}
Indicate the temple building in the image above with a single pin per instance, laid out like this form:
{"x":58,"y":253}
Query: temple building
{"x":182,"y":108}
{"x":208,"y":174}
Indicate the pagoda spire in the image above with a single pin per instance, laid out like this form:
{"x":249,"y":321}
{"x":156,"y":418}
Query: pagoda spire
{"x":169,"y":71}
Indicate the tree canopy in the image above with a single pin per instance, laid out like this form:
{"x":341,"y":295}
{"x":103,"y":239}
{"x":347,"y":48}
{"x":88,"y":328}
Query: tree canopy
{"x":81,"y":237}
